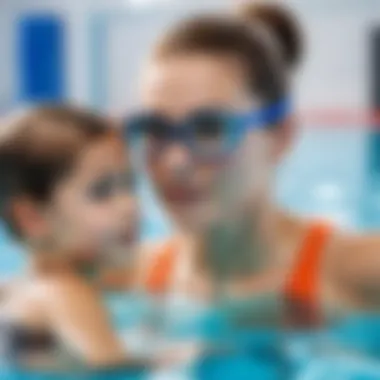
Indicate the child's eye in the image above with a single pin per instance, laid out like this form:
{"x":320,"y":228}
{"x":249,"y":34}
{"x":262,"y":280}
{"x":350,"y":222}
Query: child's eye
{"x":103,"y":189}
{"x":109,"y":186}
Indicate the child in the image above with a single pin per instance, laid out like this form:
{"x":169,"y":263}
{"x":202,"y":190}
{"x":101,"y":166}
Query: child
{"x":66,"y":195}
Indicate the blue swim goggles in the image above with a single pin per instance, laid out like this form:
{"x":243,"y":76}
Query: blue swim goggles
{"x":206,"y":133}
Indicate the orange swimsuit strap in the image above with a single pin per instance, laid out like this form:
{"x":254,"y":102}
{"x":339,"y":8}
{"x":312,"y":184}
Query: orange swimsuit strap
{"x":301,"y":291}
{"x":301,"y":286}
{"x":161,"y":268}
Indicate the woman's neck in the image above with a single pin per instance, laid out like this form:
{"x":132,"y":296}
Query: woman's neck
{"x":245,"y":244}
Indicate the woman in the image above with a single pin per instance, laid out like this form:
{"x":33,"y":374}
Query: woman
{"x":217,"y":120}
{"x":66,"y":195}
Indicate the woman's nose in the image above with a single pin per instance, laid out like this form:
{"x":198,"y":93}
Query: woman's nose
{"x":178,"y":161}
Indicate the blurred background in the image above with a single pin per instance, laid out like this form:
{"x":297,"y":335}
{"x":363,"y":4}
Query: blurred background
{"x":91,"y":52}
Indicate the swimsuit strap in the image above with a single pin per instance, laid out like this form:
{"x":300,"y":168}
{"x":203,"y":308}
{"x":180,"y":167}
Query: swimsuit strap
{"x":301,"y":290}
{"x":161,"y":268}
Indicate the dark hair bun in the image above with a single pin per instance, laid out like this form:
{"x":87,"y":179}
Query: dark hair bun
{"x":281,"y":23}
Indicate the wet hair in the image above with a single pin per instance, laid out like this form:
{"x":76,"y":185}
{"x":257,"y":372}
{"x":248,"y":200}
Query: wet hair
{"x":265,"y":38}
{"x":40,"y":147}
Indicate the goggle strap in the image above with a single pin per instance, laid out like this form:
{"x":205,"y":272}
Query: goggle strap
{"x":276,"y":112}
{"x":269,"y":115}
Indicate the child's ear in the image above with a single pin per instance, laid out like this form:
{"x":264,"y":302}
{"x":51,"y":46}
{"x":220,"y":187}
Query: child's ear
{"x":28,"y":218}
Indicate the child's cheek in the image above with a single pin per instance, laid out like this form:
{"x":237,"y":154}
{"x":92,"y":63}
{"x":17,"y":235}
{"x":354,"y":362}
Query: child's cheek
{"x":83,"y":221}
{"x":99,"y":223}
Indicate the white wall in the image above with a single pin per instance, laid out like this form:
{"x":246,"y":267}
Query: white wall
{"x":335,"y":72}
{"x":80,"y":16}
{"x":7,"y":76}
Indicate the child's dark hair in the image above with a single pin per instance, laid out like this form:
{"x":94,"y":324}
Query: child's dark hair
{"x":38,"y":148}
{"x":264,"y":37}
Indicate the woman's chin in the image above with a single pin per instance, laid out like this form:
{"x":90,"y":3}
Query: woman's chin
{"x":197,"y":216}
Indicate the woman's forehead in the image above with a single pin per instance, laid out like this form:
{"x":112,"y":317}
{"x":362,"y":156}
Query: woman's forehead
{"x":178,"y":85}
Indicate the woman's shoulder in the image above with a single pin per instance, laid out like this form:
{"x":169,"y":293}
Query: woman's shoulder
{"x":355,"y":249}
{"x":295,"y":222}
{"x":155,"y":249}
{"x":137,"y":272}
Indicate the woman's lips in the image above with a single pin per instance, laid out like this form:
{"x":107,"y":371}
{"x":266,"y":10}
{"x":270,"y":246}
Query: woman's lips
{"x":183,"y":195}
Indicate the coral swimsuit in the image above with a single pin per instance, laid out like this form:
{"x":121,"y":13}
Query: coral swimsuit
{"x":301,"y":289}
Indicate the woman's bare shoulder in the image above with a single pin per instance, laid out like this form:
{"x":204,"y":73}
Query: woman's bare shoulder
{"x":150,"y":250}
{"x":135,"y":271}
{"x":347,"y":242}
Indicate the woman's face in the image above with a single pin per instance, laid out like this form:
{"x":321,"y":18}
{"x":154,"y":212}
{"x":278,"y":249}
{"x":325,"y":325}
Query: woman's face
{"x":93,"y":212}
{"x":198,"y":192}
